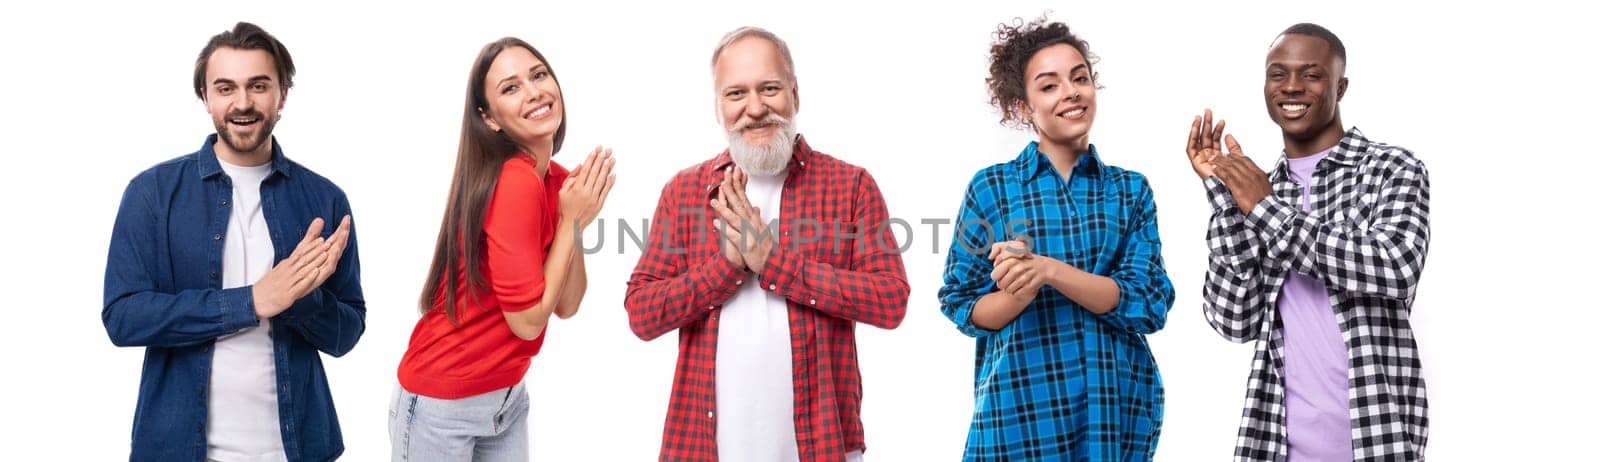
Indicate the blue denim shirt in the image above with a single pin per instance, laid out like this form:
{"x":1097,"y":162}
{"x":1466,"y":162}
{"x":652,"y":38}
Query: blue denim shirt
{"x":164,"y":292}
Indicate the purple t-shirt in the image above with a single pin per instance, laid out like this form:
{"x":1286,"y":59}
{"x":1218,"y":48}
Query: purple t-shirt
{"x":1316,"y":362}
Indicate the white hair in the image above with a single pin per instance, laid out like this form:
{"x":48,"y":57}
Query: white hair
{"x":764,"y":160}
{"x":750,"y":31}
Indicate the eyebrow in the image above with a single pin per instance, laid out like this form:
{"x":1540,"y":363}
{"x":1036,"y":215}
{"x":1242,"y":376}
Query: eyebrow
{"x":513,"y":76}
{"x":1300,"y":68}
{"x":733,"y":86}
{"x":258,"y":78}
{"x":1053,"y":74}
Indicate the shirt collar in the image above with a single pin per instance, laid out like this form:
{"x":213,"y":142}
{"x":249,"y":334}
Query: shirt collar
{"x":1031,"y":163}
{"x":553,"y":173}
{"x":1351,"y":148}
{"x":1349,"y":152}
{"x":210,"y":166}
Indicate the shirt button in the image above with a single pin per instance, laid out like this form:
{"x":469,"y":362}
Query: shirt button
{"x":224,"y":202}
{"x":216,"y":237}
{"x":200,"y":428}
{"x":711,"y":414}
{"x":772,"y":287}
{"x":213,"y":275}
{"x":813,"y":302}
{"x":711,"y":187}
{"x":738,"y":282}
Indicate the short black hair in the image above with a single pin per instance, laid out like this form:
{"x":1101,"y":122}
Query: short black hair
{"x":1014,"y":44}
{"x":1320,"y":32}
{"x":245,"y":36}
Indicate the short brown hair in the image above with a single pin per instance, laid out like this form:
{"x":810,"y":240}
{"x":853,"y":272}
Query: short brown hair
{"x":245,"y":36}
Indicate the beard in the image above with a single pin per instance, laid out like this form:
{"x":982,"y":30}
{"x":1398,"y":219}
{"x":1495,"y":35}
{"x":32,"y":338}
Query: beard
{"x":766,"y":159}
{"x":250,"y":143}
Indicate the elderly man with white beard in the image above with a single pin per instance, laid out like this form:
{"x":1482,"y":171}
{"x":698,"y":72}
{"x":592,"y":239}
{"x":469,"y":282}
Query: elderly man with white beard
{"x":764,"y":258}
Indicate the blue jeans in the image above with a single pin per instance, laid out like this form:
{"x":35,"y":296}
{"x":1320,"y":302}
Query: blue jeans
{"x":489,"y":427}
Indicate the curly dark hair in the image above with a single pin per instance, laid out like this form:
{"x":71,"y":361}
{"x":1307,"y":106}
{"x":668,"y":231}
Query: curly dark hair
{"x":1014,"y":45}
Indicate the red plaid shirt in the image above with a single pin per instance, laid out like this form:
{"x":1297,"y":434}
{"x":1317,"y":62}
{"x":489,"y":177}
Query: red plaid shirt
{"x":835,"y":261}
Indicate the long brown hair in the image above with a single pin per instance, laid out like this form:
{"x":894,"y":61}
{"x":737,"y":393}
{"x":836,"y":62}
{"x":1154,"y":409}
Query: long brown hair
{"x":479,"y":156}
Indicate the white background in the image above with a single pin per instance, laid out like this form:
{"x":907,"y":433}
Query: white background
{"x":1494,"y":100}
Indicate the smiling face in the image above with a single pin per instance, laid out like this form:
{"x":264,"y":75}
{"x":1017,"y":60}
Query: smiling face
{"x":757,"y":101}
{"x":1060,"y":97}
{"x":1304,"y":84}
{"x":524,"y":99}
{"x":243,"y":96}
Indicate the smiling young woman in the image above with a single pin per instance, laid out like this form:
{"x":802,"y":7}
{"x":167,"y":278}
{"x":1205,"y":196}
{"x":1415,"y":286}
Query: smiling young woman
{"x":1081,"y":286}
{"x":505,"y":261}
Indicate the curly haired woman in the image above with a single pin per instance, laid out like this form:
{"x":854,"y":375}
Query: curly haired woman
{"x":1061,"y":307}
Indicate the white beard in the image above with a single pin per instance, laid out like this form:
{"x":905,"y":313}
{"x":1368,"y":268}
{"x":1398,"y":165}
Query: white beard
{"x":765,"y":160}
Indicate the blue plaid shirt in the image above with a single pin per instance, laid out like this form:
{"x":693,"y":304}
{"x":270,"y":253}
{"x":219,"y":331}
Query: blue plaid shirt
{"x":1059,"y":381}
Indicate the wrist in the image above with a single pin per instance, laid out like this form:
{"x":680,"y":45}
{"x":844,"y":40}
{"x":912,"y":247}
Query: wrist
{"x":569,"y":224}
{"x":756,"y":261}
{"x":262,"y":304}
{"x":1056,"y":272}
{"x":1248,"y":203}
{"x":1021,"y":299}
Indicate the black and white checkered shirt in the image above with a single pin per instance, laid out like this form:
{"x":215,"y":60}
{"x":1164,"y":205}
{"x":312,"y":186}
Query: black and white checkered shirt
{"x":1365,"y":238}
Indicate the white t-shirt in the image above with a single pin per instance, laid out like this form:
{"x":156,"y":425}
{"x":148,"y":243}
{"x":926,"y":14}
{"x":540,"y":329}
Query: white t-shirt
{"x":242,"y":423}
{"x":755,"y":366}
